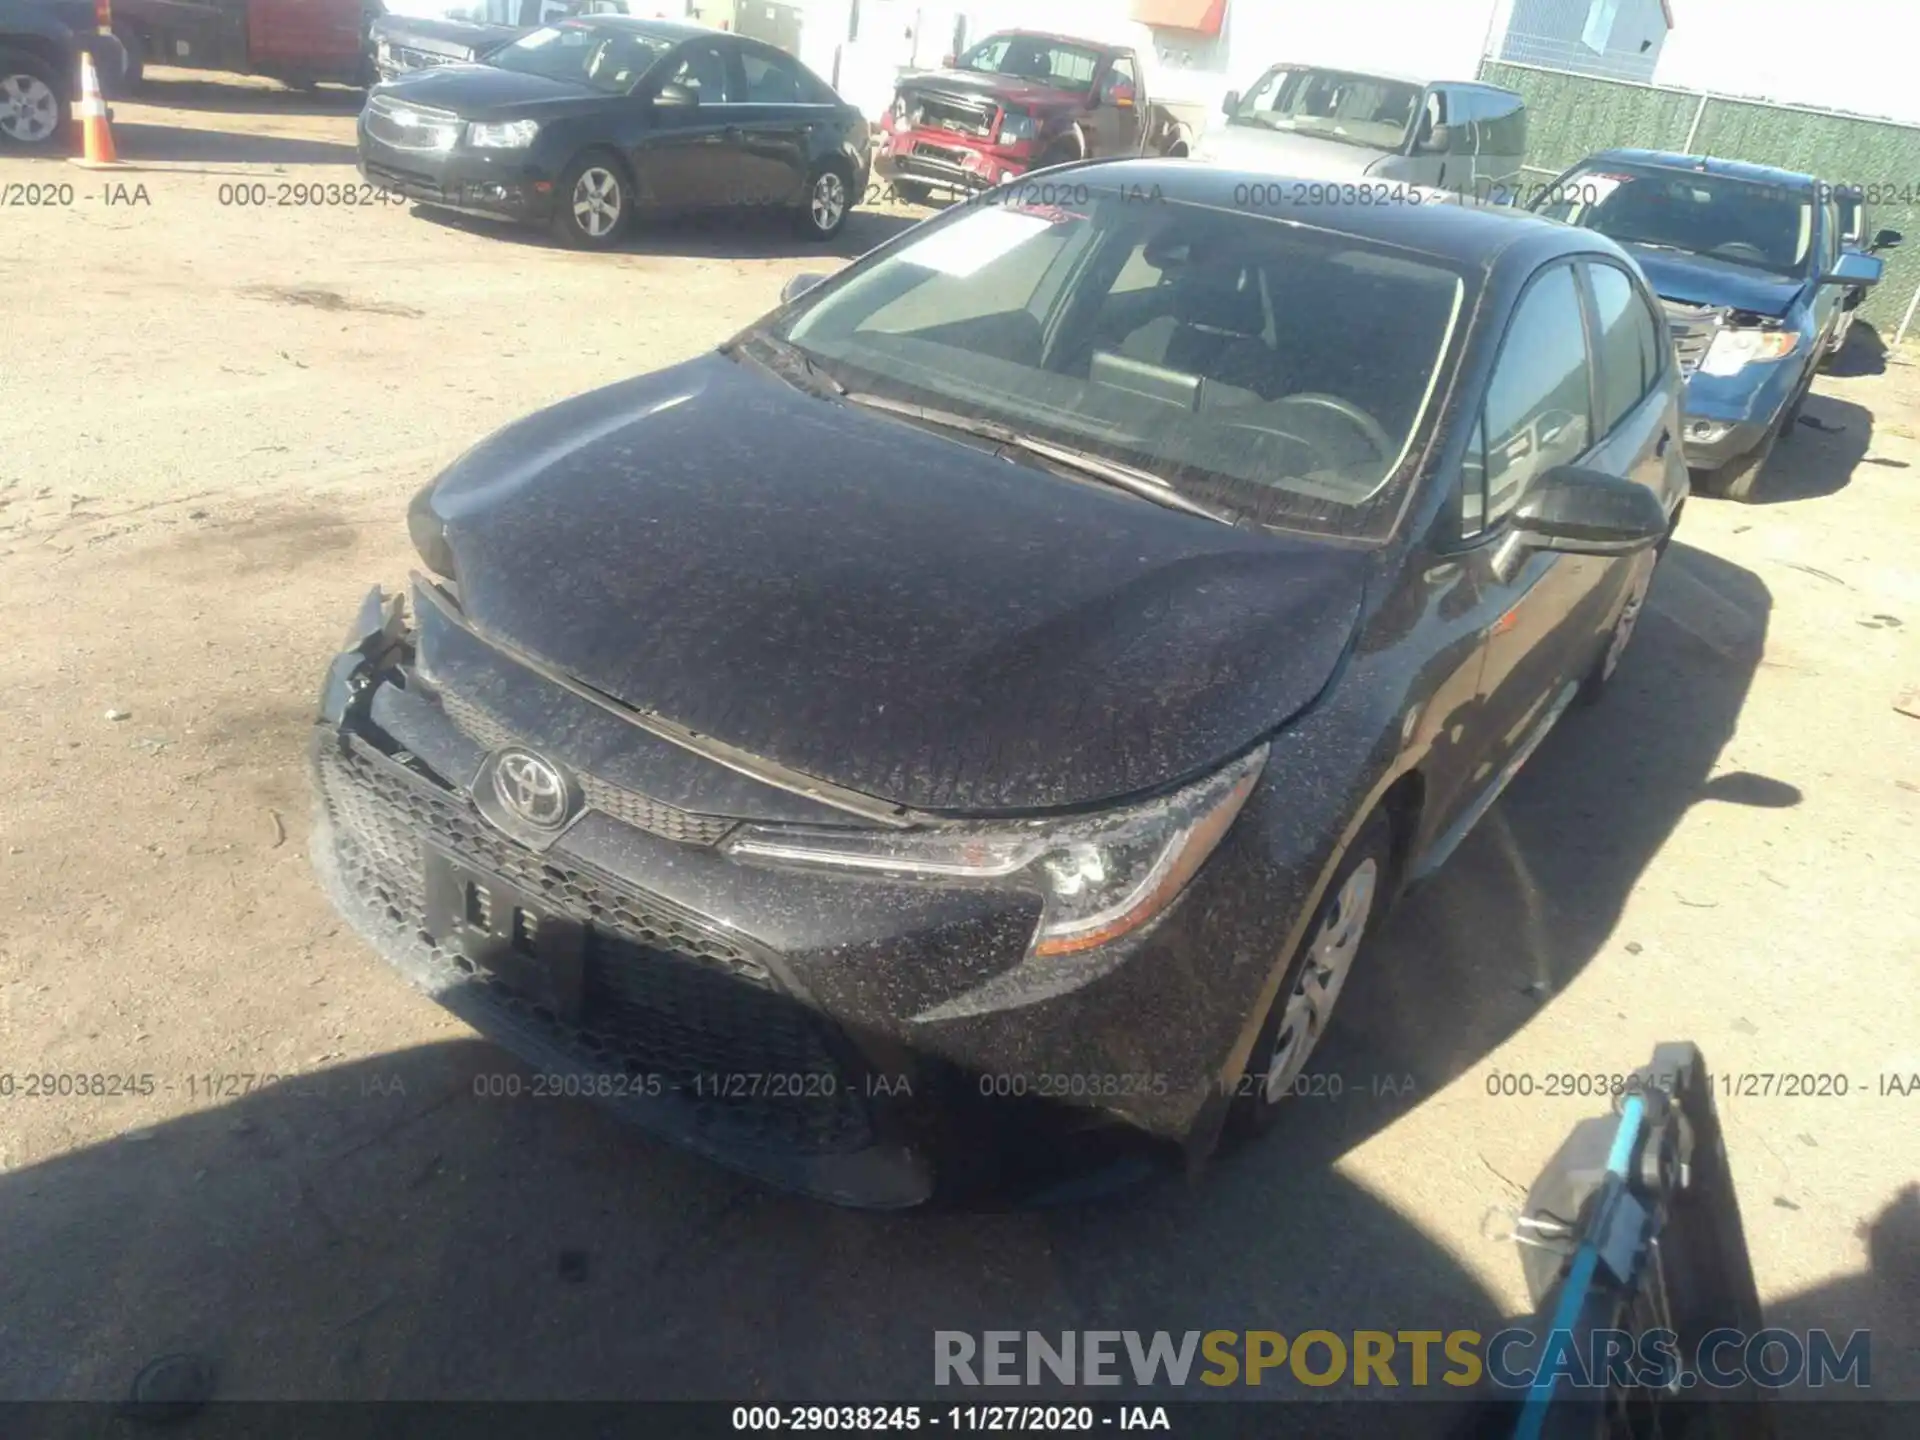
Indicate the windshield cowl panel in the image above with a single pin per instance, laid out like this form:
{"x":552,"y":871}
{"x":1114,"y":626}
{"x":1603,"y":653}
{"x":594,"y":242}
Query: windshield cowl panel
{"x":1277,"y":374}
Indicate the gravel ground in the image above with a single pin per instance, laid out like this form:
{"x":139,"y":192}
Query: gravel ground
{"x":211,"y":416}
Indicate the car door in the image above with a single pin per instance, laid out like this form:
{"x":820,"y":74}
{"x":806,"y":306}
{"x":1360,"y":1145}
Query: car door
{"x":775,"y":124}
{"x":1116,"y":119}
{"x":1537,"y":412}
{"x":688,"y":156}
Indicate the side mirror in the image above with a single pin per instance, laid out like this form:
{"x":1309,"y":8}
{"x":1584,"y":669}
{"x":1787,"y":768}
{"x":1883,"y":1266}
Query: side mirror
{"x":1435,"y":140}
{"x":1886,"y":240}
{"x":676,"y":97}
{"x":1577,"y":511}
{"x":1855,"y":267}
{"x":1230,"y":102}
{"x":1122,"y":97}
{"x":798,"y":286}
{"x":947,"y":62}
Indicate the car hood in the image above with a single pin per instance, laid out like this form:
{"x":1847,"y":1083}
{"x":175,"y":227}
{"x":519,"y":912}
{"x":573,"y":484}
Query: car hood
{"x":1703,"y":280}
{"x":485,"y":90}
{"x":441,"y":37}
{"x":1278,"y":152}
{"x":879,"y":606}
{"x":1014,"y":90}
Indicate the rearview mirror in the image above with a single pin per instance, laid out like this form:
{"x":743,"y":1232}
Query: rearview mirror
{"x":1577,"y":511}
{"x":1886,"y":240}
{"x":1855,"y":267}
{"x":798,"y":286}
{"x":1230,"y":102}
{"x":676,"y":97}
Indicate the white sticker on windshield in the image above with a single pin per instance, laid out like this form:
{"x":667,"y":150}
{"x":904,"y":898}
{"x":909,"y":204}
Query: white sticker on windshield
{"x":972,"y":243}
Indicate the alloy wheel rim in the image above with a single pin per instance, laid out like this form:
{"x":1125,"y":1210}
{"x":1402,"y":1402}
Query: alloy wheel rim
{"x":28,"y":110}
{"x":596,"y":201}
{"x":829,"y":200}
{"x":1329,"y":961}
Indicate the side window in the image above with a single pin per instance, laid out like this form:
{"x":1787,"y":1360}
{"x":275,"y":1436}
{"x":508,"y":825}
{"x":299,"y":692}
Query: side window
{"x":703,"y":69}
{"x":771,"y":80}
{"x":1625,"y":345}
{"x":1120,"y":79}
{"x":1536,"y":413}
{"x":1465,"y":113}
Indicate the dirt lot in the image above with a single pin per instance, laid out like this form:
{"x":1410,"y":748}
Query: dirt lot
{"x":211,"y":416}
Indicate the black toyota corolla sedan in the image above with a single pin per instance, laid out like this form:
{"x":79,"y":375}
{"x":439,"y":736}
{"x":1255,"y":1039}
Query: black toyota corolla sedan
{"x":581,"y":124}
{"x":1027,"y":663}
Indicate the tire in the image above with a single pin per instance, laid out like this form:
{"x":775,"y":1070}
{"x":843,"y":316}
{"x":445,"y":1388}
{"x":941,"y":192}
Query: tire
{"x":593,"y":203}
{"x":1057,"y":155}
{"x":1355,"y":900}
{"x":136,"y":71}
{"x":1739,"y":478}
{"x":1594,"y":686}
{"x":35,"y":112}
{"x":913,"y":192}
{"x":829,"y":202}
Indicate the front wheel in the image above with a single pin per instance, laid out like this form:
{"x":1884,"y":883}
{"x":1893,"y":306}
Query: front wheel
{"x":33,"y":102}
{"x":829,"y":202}
{"x":1303,"y":1009}
{"x":1739,"y":478}
{"x":591,"y":204}
{"x":1624,"y":624}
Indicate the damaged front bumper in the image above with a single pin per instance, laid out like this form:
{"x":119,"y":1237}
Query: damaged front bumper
{"x":839,"y":1035}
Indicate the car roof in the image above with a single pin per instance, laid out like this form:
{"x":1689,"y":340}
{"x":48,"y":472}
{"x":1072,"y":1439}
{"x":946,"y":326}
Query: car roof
{"x":1703,"y":165}
{"x":1439,"y":223}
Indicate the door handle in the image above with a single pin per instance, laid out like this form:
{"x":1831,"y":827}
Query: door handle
{"x":1666,"y":439}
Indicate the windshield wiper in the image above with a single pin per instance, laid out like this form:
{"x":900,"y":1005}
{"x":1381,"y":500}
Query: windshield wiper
{"x":790,"y":355}
{"x":1134,"y":481}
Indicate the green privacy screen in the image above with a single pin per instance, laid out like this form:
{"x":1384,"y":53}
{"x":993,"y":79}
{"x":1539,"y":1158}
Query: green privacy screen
{"x":1571,"y":116}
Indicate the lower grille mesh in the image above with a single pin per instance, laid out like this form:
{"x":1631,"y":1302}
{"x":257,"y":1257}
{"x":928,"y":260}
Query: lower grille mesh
{"x":664,"y":996}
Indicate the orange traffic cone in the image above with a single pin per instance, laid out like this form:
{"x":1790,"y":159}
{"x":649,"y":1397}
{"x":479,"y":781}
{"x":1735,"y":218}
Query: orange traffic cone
{"x":96,"y":135}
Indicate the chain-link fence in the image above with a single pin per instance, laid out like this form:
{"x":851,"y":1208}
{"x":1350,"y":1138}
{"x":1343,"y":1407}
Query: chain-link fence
{"x":1571,"y":116}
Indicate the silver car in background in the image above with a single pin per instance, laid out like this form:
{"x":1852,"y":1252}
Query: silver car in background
{"x":1316,"y":123}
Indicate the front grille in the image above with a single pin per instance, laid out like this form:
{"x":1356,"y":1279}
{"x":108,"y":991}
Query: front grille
{"x":1694,"y":327}
{"x":940,"y":152}
{"x":643,"y":812}
{"x":664,"y":995}
{"x":958,"y":116}
{"x":411,"y":127}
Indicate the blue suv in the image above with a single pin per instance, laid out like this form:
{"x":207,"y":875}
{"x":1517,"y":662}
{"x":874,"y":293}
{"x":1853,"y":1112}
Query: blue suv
{"x":1752,"y":270}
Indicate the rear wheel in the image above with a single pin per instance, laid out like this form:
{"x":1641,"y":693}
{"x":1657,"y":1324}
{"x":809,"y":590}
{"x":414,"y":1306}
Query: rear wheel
{"x":592,"y":202}
{"x":1303,"y":1008}
{"x":829,"y":201}
{"x":33,"y":102}
{"x":136,"y":48}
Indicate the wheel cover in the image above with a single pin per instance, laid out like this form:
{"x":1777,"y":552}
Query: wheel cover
{"x":1329,"y":961}
{"x":829,"y":201}
{"x":29,"y":110}
{"x":1629,"y":617}
{"x":597,"y":201}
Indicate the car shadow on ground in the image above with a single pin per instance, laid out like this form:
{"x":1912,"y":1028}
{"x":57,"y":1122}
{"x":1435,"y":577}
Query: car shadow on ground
{"x":408,"y":1226}
{"x":1865,"y":353}
{"x":1826,"y":445}
{"x":769,"y":236}
{"x":197,"y":90}
{"x":140,"y":144}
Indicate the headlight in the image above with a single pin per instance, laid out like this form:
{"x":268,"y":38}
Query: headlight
{"x":1104,"y":876}
{"x":1017,"y":125}
{"x":429,"y":534}
{"x":510,"y":135}
{"x":1733,"y":350}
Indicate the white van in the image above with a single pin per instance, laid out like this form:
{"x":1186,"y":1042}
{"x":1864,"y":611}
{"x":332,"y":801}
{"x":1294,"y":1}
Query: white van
{"x":1318,"y":123}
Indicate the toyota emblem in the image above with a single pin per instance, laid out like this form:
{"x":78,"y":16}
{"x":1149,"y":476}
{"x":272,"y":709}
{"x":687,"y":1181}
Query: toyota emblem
{"x":531,"y":789}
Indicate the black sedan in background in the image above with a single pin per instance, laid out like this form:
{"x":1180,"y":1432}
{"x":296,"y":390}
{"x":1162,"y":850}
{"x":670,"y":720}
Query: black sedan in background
{"x":1026,"y":664}
{"x":582,"y":124}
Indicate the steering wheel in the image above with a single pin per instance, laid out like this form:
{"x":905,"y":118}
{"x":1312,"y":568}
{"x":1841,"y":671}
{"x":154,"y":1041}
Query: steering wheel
{"x":1741,"y":250}
{"x":1370,"y":429}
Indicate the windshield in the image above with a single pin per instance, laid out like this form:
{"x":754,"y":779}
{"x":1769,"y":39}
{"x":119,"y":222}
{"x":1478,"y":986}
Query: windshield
{"x":1743,"y":222}
{"x":1269,"y":370}
{"x":1332,"y":105}
{"x":602,"y":56}
{"x":1058,"y":63}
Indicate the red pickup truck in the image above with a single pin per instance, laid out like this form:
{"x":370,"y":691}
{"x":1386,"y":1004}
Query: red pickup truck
{"x":1021,"y":100}
{"x":299,"y":42}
